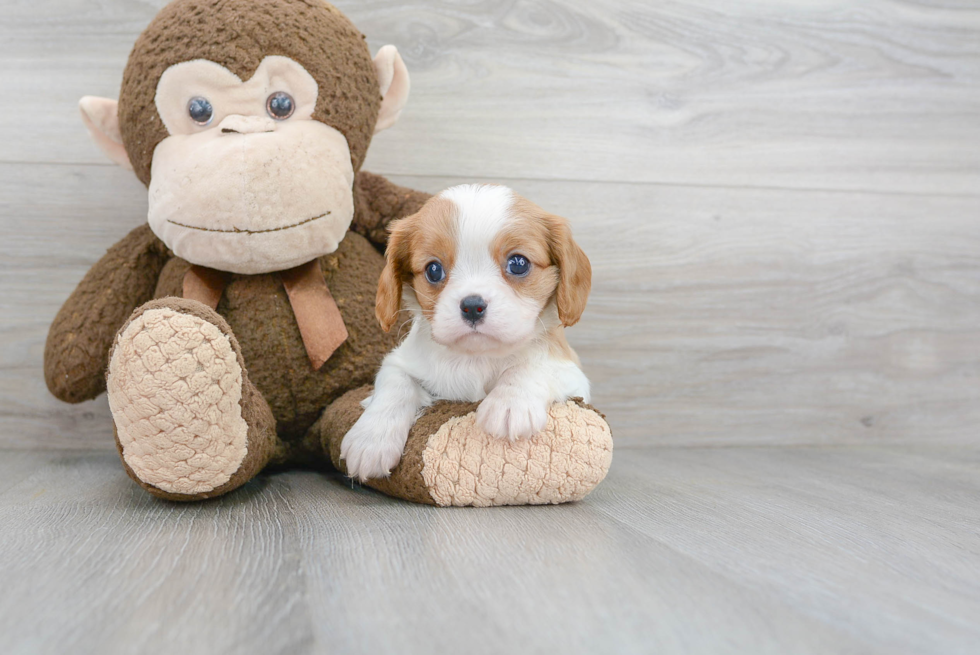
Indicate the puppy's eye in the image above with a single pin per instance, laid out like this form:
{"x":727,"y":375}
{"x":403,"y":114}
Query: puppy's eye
{"x":280,"y":106}
{"x":518,"y":265}
{"x":200,"y":110}
{"x":434,"y":272}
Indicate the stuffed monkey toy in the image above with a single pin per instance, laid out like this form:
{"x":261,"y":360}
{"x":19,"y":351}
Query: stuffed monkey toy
{"x":236,"y":330}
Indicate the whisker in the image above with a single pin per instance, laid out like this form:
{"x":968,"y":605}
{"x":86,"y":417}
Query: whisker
{"x":418,"y":293}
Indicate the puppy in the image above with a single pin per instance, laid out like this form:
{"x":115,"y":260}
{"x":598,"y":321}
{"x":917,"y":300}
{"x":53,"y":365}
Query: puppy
{"x":490,"y":281}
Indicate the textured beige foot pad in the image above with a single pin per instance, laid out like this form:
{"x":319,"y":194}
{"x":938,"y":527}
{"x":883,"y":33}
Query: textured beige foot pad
{"x":175,"y":391}
{"x":449,"y":461}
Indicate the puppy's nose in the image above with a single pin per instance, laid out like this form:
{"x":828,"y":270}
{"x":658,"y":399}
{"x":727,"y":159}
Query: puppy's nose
{"x":473,"y":308}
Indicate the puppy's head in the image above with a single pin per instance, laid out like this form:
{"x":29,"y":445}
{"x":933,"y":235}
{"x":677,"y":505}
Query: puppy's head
{"x":482,"y":264}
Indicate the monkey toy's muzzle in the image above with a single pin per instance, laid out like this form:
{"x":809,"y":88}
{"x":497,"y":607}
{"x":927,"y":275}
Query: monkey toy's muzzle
{"x":252,"y":196}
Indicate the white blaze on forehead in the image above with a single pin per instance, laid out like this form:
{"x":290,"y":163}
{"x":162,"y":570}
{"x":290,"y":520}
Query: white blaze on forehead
{"x":481,"y":213}
{"x":482,"y":210}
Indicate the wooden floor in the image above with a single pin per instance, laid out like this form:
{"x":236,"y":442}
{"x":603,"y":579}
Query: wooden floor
{"x":682,"y":550}
{"x":781,"y":202}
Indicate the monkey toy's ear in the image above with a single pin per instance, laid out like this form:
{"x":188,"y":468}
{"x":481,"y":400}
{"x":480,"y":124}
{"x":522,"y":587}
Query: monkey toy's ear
{"x":393,"y":78}
{"x":101,"y":118}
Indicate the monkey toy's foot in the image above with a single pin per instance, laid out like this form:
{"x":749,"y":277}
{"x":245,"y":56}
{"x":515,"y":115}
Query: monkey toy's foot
{"x":189,"y":424}
{"x":448,"y":460}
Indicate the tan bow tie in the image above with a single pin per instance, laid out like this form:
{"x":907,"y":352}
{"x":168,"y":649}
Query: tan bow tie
{"x":320,"y":323}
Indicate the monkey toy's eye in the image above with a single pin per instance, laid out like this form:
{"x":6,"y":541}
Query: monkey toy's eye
{"x":518,"y":265}
{"x":200,"y":110}
{"x":434,"y":272}
{"x":280,"y":106}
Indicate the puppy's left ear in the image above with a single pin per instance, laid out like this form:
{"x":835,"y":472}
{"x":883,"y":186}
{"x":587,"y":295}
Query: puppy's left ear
{"x":389,"y":299}
{"x":575,"y":271}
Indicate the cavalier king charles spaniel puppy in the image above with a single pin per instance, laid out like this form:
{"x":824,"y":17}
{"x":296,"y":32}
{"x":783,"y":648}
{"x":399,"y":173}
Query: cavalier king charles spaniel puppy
{"x":489,"y":281}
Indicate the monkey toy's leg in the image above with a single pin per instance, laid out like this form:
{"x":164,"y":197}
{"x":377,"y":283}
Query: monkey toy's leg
{"x":448,"y":460}
{"x":189,"y":423}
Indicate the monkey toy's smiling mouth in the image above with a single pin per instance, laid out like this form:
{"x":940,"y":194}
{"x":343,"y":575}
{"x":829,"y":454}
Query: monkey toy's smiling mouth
{"x":237,"y":230}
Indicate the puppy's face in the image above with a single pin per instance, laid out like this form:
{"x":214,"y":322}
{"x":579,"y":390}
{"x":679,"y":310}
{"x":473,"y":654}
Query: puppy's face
{"x":482,"y":264}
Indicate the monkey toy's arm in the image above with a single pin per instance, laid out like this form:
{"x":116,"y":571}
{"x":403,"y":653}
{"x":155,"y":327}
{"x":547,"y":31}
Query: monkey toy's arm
{"x":77,"y":350}
{"x":377,"y":202}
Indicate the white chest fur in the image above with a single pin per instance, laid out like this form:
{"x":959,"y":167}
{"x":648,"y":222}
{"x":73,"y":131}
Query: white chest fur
{"x":450,"y":375}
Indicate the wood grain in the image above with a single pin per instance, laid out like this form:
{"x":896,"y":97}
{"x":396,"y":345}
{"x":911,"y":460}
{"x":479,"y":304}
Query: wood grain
{"x":780,"y":202}
{"x":761,"y":550}
{"x":881,"y":96}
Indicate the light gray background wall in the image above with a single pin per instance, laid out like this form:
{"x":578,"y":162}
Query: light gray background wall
{"x":781,"y":200}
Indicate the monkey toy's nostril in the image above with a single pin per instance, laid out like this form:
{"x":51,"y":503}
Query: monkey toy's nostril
{"x":473,"y":309}
{"x":239,"y":124}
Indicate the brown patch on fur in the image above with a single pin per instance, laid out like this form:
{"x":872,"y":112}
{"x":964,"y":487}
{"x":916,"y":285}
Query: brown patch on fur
{"x":239,"y":34}
{"x":389,"y":297}
{"x":415,"y":241}
{"x":540,"y":232}
{"x":529,"y":234}
{"x":526,"y":235}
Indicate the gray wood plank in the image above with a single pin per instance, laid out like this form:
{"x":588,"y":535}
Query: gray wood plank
{"x":806,"y":94}
{"x":762,"y":550}
{"x":718,"y":316}
{"x":881,"y":543}
{"x":96,"y":566}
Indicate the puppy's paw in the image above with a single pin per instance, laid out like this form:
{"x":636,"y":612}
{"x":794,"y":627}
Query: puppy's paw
{"x":509,"y":412}
{"x":371,"y":448}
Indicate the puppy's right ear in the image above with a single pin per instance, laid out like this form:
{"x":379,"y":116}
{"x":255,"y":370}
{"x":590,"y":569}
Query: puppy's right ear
{"x":389,"y":298}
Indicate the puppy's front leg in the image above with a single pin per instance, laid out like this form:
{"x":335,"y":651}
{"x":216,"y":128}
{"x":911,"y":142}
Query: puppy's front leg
{"x":374,"y":445}
{"x":517,"y":406}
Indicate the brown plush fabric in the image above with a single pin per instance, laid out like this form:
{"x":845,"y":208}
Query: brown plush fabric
{"x":263,"y":444}
{"x":258,"y":310}
{"x":238,"y":34}
{"x":377,"y":202}
{"x":77,"y":349}
{"x":406,"y":480}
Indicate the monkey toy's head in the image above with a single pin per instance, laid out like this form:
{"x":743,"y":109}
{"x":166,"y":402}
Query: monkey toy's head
{"x":247,"y":119}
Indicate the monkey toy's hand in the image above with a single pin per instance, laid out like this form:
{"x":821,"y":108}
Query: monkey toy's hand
{"x":77,"y":350}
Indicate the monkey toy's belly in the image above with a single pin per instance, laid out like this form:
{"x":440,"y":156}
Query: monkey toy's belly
{"x":258,"y":311}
